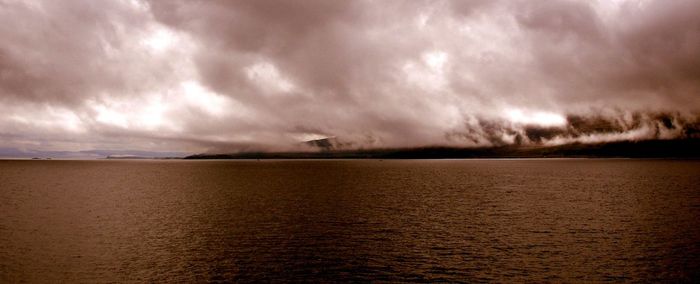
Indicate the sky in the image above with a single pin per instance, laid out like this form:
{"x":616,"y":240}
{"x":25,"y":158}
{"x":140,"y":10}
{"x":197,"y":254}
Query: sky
{"x":224,"y":76}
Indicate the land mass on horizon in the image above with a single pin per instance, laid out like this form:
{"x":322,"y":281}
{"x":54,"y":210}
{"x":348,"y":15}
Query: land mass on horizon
{"x":684,"y":148}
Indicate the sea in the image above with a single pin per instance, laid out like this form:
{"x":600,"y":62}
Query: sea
{"x":320,"y":221}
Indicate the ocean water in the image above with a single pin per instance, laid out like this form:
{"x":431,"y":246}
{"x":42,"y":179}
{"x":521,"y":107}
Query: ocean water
{"x":350,"y":221}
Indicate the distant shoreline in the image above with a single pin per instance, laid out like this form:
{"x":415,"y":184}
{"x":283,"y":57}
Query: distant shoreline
{"x":676,"y":149}
{"x":686,"y":149}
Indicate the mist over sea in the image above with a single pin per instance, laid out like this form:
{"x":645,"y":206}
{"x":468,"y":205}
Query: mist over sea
{"x":540,"y":220}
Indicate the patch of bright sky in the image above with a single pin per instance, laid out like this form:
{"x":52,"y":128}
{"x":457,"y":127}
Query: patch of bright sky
{"x":159,"y":111}
{"x":109,"y":115}
{"x":435,"y":60}
{"x":204,"y":99}
{"x":50,"y":118}
{"x":608,"y":10}
{"x":541,"y":118}
{"x":430,"y":74}
{"x":422,"y":20}
{"x":303,"y":137}
{"x":137,"y":113}
{"x":268,"y":78}
{"x":139,"y":5}
{"x":160,"y":39}
{"x":153,"y":114}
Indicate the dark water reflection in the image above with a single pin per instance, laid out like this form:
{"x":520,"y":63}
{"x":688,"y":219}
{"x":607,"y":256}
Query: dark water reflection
{"x":462,"y":220}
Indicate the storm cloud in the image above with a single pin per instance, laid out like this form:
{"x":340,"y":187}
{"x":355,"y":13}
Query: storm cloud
{"x":197,"y":76}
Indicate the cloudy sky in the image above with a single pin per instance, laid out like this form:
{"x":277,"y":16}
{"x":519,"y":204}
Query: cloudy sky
{"x":212,"y":76}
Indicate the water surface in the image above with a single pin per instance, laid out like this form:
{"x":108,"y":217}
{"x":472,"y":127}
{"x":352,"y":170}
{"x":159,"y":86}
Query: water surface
{"x":346,"y":220}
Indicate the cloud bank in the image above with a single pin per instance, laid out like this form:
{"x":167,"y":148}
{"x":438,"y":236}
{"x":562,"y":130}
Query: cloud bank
{"x":198,"y":76}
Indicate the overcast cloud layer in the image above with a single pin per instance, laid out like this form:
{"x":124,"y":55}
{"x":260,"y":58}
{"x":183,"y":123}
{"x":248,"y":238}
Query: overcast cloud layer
{"x":196,"y":76}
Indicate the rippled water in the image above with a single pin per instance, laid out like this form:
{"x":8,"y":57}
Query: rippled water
{"x":429,"y":220}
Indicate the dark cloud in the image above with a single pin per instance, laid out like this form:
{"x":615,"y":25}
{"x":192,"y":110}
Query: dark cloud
{"x":64,"y":52}
{"x":226,"y":75}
